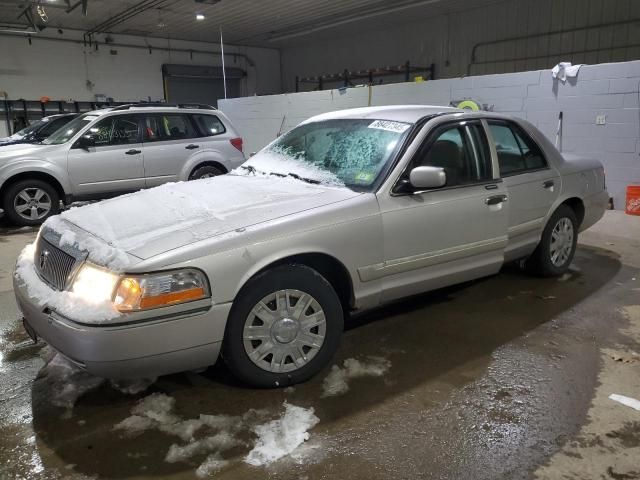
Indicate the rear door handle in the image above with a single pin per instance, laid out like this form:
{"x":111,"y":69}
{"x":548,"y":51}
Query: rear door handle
{"x":548,"y":184}
{"x":192,"y":146}
{"x":133,"y":151}
{"x":495,"y":199}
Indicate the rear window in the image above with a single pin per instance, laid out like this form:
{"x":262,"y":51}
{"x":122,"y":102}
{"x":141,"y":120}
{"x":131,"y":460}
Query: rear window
{"x":163,"y":127}
{"x":517,"y":153}
{"x":209,"y":125}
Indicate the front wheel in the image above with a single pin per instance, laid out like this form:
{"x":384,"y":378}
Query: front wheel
{"x":30,"y":202}
{"x":557,"y":246}
{"x":284,"y":327}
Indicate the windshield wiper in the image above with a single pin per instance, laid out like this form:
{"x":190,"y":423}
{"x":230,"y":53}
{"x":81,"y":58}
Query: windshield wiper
{"x":304,"y":179}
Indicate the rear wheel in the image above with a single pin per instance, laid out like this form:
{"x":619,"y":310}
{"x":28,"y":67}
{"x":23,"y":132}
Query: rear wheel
{"x":284,"y":327}
{"x":557,"y":246}
{"x":206,"y":171}
{"x":30,"y":202}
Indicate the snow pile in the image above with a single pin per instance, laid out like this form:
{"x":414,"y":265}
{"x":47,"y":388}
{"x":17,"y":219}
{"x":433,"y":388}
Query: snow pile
{"x":272,"y":160}
{"x":66,"y":303}
{"x":100,"y":252}
{"x":282,"y":436}
{"x":209,"y":436}
{"x":336,"y":383}
{"x":68,"y":382}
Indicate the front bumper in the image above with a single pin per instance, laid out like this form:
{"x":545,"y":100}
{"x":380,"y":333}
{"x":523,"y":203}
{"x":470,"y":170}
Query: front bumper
{"x":161,"y":345}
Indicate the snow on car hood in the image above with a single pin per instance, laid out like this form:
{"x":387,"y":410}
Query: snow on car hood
{"x":160,"y":219}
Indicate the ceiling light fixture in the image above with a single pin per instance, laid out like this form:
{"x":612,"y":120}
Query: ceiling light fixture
{"x":199,"y":16}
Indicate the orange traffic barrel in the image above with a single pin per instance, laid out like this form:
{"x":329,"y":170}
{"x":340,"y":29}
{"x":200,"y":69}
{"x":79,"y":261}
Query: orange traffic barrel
{"x":633,"y":200}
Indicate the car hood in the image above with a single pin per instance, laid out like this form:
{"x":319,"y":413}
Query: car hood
{"x":19,"y":150}
{"x":154,"y":221}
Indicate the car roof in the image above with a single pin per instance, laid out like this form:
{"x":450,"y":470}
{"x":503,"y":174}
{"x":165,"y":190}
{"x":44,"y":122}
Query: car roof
{"x":153,"y":109}
{"x":397,"y":113}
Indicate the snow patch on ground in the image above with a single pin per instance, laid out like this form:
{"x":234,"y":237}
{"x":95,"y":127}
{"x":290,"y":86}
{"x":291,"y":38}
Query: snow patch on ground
{"x":282,"y":436}
{"x":337,"y":382}
{"x":66,"y":303}
{"x":69,"y":382}
{"x":209,"y":436}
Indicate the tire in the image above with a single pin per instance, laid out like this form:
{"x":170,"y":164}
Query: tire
{"x":18,"y":196}
{"x":206,"y":171}
{"x":543,"y":261}
{"x":247,"y":336}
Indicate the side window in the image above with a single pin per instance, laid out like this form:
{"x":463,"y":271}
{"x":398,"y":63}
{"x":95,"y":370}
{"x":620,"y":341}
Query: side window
{"x":462,"y":151}
{"x":117,"y":130}
{"x":516,"y":152}
{"x":166,"y":127}
{"x":209,"y":125}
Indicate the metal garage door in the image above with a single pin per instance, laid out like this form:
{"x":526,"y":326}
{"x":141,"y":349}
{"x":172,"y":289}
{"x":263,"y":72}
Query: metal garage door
{"x":199,"y":84}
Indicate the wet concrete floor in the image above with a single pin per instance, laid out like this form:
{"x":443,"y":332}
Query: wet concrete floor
{"x":488,"y":380}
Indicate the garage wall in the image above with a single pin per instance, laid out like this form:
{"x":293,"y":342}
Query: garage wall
{"x":60,"y":70}
{"x":607,"y":89}
{"x":448,"y":40}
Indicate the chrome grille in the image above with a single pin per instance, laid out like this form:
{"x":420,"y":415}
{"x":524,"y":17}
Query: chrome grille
{"x":53,"y":265}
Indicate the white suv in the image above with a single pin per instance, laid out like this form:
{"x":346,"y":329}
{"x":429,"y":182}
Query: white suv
{"x":109,"y":152}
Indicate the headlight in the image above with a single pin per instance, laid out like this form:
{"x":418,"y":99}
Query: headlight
{"x":94,"y":284}
{"x":142,"y":292}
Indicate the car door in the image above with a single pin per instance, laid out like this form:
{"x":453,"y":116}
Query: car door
{"x":443,"y":236}
{"x":113,"y":164}
{"x":169,"y":139}
{"x":531,"y":183}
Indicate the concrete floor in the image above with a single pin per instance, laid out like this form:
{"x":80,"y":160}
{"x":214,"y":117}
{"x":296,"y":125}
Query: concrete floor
{"x":507,"y":377}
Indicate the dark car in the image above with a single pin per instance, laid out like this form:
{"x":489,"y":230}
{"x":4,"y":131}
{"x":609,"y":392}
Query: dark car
{"x":39,"y":130}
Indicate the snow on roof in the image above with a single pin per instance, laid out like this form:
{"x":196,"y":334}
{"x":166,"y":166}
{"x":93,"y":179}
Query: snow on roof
{"x":398,"y":113}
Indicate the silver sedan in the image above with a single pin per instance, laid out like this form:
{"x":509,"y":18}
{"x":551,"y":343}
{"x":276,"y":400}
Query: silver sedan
{"x":346,"y":212}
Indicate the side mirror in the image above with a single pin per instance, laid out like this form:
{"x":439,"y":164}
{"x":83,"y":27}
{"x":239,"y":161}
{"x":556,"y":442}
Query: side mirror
{"x":427,"y":177}
{"x":86,"y":142}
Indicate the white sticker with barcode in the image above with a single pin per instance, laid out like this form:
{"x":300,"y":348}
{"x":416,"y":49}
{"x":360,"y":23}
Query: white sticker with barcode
{"x":390,"y":126}
{"x":90,"y":118}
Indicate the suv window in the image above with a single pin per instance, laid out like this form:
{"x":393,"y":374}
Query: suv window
{"x":52,"y":126}
{"x":116,"y":130}
{"x":209,"y":125}
{"x":517,"y":153}
{"x":164,"y":127}
{"x":461,"y":150}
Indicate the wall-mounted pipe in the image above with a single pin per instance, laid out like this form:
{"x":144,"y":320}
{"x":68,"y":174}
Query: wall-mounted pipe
{"x":249,"y":60}
{"x":538,"y":35}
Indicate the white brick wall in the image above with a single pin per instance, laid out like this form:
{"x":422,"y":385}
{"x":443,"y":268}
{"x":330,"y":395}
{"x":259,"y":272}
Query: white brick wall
{"x":605,"y":89}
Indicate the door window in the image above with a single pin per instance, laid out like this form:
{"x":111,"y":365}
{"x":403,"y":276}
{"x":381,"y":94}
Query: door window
{"x":209,"y":125}
{"x":117,"y":130}
{"x":517,"y":153}
{"x":158,"y":128}
{"x":461,"y":150}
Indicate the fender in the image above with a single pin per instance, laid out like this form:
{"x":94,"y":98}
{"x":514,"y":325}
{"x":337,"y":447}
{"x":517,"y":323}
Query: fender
{"x":208,"y":154}
{"x":27,"y":165}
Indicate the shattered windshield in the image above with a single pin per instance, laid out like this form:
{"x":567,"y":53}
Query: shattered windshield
{"x":351,"y":152}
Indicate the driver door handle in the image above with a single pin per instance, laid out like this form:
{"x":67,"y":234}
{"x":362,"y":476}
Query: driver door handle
{"x":133,"y":151}
{"x":548,"y":184}
{"x":495,"y":199}
{"x":192,"y":146}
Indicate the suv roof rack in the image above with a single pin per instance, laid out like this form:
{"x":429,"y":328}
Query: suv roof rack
{"x":127,"y":106}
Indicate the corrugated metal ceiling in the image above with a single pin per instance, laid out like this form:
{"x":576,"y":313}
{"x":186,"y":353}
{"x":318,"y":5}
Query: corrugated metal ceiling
{"x":268,"y":23}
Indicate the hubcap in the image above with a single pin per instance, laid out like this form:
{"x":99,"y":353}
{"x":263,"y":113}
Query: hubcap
{"x":284,"y":331}
{"x":32,"y":203}
{"x":561,"y":242}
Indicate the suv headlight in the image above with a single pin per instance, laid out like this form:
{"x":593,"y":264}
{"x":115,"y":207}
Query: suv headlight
{"x":143,"y":292}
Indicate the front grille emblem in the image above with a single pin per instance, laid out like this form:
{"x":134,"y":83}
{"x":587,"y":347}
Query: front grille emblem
{"x":44,"y":256}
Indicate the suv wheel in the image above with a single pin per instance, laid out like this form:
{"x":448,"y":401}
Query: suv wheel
{"x":205,"y":172}
{"x":284,"y":327}
{"x":556,"y":249}
{"x":30,"y":202}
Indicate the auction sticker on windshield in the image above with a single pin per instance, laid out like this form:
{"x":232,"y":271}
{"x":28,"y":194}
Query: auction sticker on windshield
{"x":390,"y":126}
